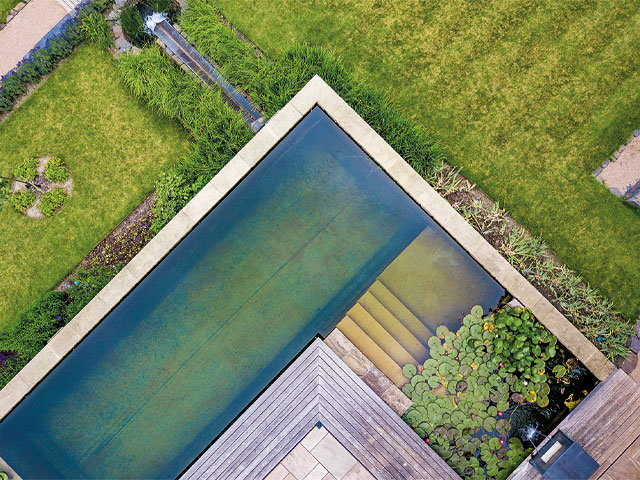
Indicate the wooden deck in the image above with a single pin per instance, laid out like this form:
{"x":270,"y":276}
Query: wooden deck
{"x":607,"y":425}
{"x":319,"y":387}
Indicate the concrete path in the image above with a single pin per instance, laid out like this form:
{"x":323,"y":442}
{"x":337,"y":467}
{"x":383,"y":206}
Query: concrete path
{"x":25,"y":30}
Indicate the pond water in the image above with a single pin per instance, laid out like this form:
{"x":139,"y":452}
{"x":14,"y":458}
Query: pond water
{"x":277,"y":262}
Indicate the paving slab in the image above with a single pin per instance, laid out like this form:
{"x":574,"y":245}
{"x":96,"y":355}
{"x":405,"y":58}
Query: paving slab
{"x":22,"y":33}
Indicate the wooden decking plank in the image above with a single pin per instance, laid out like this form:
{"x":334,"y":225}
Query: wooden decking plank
{"x":351,"y":430}
{"x":304,"y":361}
{"x":259,"y":413}
{"x":285,"y":411}
{"x":260,"y":454}
{"x":384,"y":448}
{"x":342,"y":434}
{"x":277,"y":420}
{"x":409,"y":441}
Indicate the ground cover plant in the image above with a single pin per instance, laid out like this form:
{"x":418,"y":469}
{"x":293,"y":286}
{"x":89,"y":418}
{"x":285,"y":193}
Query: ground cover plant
{"x":272,"y":82}
{"x":479,"y":378}
{"x":528,"y":97}
{"x":56,"y":170}
{"x":114,"y":146}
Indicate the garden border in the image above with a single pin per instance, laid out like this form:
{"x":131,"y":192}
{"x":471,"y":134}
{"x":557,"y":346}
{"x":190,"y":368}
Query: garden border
{"x":315,"y":93}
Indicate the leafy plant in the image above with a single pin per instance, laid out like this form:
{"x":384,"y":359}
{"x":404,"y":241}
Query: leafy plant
{"x":5,"y":190}
{"x":56,"y":170}
{"x":12,"y":87}
{"x":52,"y":201}
{"x":463,"y":393}
{"x":27,"y":171}
{"x":23,"y":200}
{"x":133,"y":25}
{"x":85,"y":284}
{"x":95,"y":28}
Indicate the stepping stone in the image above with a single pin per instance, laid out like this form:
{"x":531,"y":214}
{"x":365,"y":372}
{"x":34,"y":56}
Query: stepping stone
{"x":19,"y":6}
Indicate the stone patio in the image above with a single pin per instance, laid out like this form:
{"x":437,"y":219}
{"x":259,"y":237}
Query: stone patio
{"x":319,"y":456}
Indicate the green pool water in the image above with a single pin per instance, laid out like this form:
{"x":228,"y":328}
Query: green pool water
{"x":277,"y":262}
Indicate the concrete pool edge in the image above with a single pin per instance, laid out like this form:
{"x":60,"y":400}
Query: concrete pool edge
{"x":316,"y":92}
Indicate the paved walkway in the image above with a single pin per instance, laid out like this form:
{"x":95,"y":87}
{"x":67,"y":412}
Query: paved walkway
{"x":25,"y":30}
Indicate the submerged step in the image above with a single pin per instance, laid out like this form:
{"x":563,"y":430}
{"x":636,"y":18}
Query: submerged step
{"x":372,"y":351}
{"x":395,"y":327}
{"x":400,"y":311}
{"x":380,"y":335}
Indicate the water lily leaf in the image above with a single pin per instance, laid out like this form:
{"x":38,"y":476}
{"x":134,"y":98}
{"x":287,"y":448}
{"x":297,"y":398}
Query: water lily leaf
{"x":530,"y":396}
{"x":420,"y":388}
{"x":409,"y":370}
{"x":433,"y":382}
{"x":542,"y":401}
{"x":502,"y":406}
{"x":451,"y":386}
{"x":417,"y":379}
{"x":492,"y":410}
{"x":442,"y":331}
{"x":461,"y":386}
{"x":440,"y":391}
{"x":477,"y":311}
{"x":489,"y":424}
{"x":559,"y":371}
{"x":503,"y":426}
{"x":494,"y":443}
{"x":475,"y":331}
{"x":427,"y":397}
{"x":407,"y":389}
{"x":465,"y":369}
{"x":434,"y":342}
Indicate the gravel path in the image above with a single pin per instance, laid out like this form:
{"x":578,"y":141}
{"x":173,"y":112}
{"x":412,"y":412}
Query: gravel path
{"x":22,"y":33}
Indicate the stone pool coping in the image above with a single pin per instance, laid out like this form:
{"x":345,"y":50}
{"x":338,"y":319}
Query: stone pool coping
{"x":315,"y":93}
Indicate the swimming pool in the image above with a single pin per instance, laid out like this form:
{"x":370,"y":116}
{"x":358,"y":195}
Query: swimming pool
{"x":278,"y":261}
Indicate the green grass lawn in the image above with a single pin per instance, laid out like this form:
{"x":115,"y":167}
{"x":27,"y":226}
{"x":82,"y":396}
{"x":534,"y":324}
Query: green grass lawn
{"x":5,"y":7}
{"x":528,"y":97}
{"x":114,"y":146}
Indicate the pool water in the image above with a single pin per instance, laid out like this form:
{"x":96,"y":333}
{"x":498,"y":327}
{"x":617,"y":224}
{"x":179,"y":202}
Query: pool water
{"x":277,"y":262}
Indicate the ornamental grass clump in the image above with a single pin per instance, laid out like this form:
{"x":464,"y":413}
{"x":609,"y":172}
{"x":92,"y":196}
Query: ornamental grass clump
{"x":475,"y":379}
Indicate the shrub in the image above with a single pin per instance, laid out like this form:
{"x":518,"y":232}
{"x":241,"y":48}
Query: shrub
{"x":12,"y":87}
{"x":27,"y":170}
{"x":37,"y":324}
{"x":133,"y":25}
{"x":56,"y":170}
{"x":86,"y":285}
{"x":52,"y":201}
{"x":28,"y":73}
{"x":101,"y":5}
{"x":172,"y":193}
{"x":95,"y":28}
{"x":23,"y":200}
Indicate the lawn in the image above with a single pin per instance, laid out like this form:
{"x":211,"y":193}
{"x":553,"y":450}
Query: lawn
{"x":528,"y":97}
{"x":5,"y":7}
{"x":115,"y":148}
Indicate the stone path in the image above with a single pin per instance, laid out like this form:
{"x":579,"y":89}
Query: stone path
{"x":621,"y":173}
{"x":22,"y":33}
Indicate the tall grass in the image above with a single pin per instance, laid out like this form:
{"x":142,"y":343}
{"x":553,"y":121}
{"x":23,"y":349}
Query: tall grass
{"x":271,"y":83}
{"x":217,"y":130}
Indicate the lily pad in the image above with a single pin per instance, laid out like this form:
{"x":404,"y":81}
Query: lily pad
{"x":442,"y":331}
{"x":489,"y":424}
{"x":409,"y":370}
{"x":503,"y":426}
{"x":477,"y":311}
